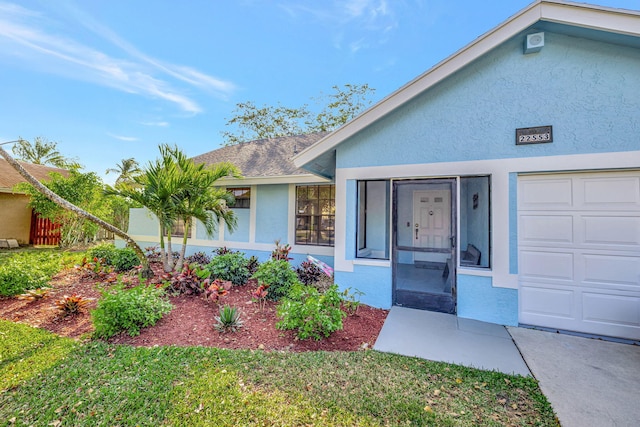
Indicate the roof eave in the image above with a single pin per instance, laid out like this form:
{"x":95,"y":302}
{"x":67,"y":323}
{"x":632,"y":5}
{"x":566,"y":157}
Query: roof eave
{"x":263,"y":180}
{"x":569,"y":13}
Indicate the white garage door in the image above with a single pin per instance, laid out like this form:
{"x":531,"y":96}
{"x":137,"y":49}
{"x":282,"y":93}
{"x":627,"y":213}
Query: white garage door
{"x":579,"y":252}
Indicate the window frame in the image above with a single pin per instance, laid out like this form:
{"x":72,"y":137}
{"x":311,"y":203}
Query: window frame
{"x":180,"y":225}
{"x":486,"y":255}
{"x":243,"y":199}
{"x":318,"y":221}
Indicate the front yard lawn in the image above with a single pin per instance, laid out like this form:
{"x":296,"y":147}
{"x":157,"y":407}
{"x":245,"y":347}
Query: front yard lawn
{"x":70,"y":384}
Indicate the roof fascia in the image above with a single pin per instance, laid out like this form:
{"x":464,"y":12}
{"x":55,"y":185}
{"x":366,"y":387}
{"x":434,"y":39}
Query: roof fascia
{"x":575,"y":14}
{"x":287,"y":179}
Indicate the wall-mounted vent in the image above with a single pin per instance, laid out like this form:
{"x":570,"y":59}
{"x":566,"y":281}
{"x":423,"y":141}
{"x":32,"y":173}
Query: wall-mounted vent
{"x":533,"y":43}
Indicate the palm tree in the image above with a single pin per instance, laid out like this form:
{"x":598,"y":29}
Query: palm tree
{"x":146,"y":270}
{"x":126,"y":170}
{"x":42,"y":152}
{"x":200,"y":199}
{"x":174,"y":188}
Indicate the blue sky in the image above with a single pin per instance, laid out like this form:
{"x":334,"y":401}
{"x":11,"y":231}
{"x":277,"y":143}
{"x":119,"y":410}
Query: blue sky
{"x":109,"y":80}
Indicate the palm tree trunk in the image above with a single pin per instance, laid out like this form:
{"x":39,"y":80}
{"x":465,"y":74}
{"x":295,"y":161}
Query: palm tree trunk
{"x":146,"y":270}
{"x":187,"y":230}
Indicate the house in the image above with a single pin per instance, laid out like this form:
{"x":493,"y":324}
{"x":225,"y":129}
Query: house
{"x":17,"y":219}
{"x":274,"y":201}
{"x":501,"y":185}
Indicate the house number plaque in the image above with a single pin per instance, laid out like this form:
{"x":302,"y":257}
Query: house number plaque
{"x":537,"y":135}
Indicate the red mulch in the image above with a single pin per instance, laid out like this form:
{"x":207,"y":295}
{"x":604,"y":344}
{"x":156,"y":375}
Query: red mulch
{"x":191,"y":322}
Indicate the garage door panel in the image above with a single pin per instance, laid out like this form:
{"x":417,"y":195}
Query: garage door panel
{"x":614,"y":271}
{"x":611,"y":309}
{"x":624,"y":192}
{"x":579,"y":252}
{"x":547,"y":301}
{"x":611,"y":230}
{"x":546,"y":194}
{"x":558,"y":266}
{"x":545,"y":229}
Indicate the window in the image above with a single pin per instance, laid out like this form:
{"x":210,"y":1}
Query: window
{"x":315,"y":215}
{"x":475,"y":220}
{"x":373,"y":219}
{"x":243,"y":197}
{"x":177,"y":229}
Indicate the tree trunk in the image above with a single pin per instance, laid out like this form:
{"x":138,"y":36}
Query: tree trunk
{"x":146,"y":270}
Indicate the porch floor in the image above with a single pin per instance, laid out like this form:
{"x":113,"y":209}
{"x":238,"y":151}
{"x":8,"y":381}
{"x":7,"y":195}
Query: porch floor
{"x":411,"y":277}
{"x":448,"y":338}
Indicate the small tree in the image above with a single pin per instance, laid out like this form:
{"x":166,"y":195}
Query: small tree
{"x":337,"y":108}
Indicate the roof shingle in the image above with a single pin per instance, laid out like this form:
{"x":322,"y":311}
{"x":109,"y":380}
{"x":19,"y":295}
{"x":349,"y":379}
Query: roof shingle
{"x":264,"y":157}
{"x":10,"y":177}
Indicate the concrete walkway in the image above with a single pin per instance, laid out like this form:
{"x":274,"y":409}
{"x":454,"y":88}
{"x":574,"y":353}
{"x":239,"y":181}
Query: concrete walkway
{"x":589,"y":382}
{"x":447,"y":338}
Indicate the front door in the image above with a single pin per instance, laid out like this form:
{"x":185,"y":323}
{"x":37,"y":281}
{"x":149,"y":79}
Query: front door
{"x":432,"y":223}
{"x":423,"y":244}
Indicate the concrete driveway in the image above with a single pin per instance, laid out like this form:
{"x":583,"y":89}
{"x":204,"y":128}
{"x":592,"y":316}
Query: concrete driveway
{"x":589,"y":382}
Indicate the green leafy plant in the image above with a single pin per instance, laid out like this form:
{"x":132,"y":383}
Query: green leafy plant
{"x":230,"y":266}
{"x":314,"y":314}
{"x":253,"y":264}
{"x":22,"y":271}
{"x":228,"y":320}
{"x":128,"y":310}
{"x":278,"y":276}
{"x":121,"y":259}
{"x":281,"y":252}
{"x":351,"y":300}
{"x":72,"y":304}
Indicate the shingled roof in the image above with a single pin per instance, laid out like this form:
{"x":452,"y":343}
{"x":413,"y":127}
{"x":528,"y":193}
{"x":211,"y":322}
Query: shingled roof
{"x":264,"y":157}
{"x":10,"y":177}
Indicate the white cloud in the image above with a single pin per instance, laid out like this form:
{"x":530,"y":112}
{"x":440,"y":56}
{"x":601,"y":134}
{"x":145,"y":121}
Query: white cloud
{"x":355,"y":24}
{"x":24,"y":33}
{"x":158,"y":123}
{"x":123,"y":138}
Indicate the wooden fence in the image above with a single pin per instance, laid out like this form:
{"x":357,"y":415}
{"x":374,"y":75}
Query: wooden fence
{"x":43,"y":231}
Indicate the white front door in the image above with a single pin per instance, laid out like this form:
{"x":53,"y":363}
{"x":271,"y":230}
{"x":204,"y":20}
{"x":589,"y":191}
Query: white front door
{"x":579,"y":252}
{"x":432,"y":223}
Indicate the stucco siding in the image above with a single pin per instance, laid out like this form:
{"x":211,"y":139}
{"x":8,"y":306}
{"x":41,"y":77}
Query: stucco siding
{"x":586,"y":90}
{"x":241,"y":233}
{"x":143,"y":223}
{"x":15,"y":222}
{"x":272,"y":213}
{"x":373,"y":282}
{"x":478,"y":299}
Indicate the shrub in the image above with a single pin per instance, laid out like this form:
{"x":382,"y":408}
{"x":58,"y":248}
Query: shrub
{"x":191,"y":280}
{"x":123,"y":259}
{"x":253,"y":264}
{"x":128,"y":310}
{"x":35,"y":294}
{"x":199,"y":257}
{"x":22,"y":271}
{"x":313,"y":314}
{"x":229,"y":319}
{"x":231,"y":266}
{"x":278,"y":276}
{"x":309,"y":273}
{"x":351,"y":300}
{"x":215,"y":290}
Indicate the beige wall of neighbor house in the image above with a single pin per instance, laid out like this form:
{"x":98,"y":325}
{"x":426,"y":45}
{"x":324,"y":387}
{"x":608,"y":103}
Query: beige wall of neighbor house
{"x":15,"y":217}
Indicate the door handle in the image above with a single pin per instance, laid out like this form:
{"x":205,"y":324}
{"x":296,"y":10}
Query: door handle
{"x":416,"y":234}
{"x":453,"y":241}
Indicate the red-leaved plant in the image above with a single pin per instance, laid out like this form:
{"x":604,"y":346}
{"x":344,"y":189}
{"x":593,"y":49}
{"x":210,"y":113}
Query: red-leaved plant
{"x":216,"y":290}
{"x":260,"y":295}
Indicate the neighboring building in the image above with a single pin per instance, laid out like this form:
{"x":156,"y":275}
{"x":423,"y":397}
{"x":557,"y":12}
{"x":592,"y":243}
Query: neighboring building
{"x":17,"y":221}
{"x":274,"y":201}
{"x":501,"y":185}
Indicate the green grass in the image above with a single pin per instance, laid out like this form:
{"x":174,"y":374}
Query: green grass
{"x":102,"y":384}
